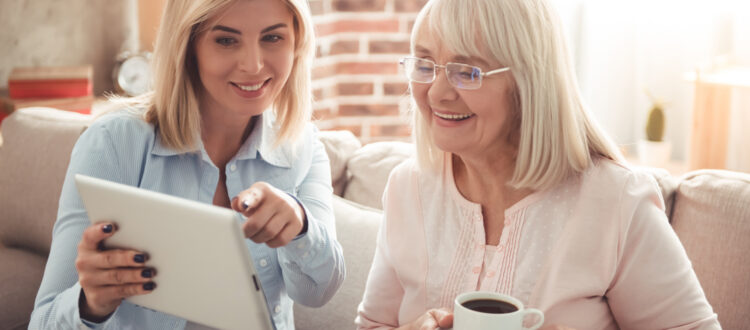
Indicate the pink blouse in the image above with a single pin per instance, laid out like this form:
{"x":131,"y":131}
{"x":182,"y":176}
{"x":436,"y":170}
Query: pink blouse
{"x":596,"y":252}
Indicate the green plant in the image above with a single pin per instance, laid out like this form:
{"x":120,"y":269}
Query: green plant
{"x":655,"y":123}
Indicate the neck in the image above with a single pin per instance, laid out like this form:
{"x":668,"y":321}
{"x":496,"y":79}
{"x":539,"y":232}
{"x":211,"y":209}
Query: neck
{"x":483,"y":178}
{"x":223,"y":134}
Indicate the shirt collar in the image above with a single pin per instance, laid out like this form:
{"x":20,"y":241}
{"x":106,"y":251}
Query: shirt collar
{"x":260,"y":141}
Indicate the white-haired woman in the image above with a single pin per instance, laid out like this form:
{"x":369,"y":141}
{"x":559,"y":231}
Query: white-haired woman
{"x":227,"y":124}
{"x":517,"y":190}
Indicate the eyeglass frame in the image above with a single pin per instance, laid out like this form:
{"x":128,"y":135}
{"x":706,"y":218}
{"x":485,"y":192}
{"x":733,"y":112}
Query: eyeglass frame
{"x":403,"y":60}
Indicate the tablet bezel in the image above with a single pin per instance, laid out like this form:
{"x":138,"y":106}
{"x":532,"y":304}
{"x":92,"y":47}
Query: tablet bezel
{"x":183,"y":239}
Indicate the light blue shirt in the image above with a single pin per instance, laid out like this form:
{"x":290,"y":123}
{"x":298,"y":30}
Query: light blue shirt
{"x":123,"y":148}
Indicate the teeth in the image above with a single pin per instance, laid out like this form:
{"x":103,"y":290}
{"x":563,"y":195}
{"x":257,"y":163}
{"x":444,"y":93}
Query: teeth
{"x":451,"y":117}
{"x":251,"y":87}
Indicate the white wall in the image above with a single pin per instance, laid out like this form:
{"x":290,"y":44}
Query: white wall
{"x":622,"y":48}
{"x":69,"y":32}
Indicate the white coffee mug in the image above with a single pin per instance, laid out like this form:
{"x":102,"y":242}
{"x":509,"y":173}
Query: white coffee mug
{"x":495,"y":314}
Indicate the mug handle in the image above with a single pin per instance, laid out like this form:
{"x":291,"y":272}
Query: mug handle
{"x":538,"y":313}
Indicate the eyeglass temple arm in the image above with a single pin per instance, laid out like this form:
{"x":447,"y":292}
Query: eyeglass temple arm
{"x":495,"y":71}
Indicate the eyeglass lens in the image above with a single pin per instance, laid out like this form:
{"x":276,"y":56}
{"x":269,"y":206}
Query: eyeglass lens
{"x":459,"y":75}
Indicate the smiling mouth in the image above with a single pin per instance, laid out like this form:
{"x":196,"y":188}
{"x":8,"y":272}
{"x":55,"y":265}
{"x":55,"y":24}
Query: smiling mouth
{"x":453,"y":117}
{"x":252,"y":88}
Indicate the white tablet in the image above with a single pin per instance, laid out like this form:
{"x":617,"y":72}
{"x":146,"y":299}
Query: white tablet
{"x":204,"y":270}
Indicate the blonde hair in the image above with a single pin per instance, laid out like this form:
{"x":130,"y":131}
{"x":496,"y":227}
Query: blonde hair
{"x":557,"y":136}
{"x":172,"y":106}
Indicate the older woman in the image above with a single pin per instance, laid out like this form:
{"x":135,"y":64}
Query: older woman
{"x":517,"y":190}
{"x":227,"y":124}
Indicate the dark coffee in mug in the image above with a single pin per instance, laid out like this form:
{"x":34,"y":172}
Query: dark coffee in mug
{"x":490,"y":306}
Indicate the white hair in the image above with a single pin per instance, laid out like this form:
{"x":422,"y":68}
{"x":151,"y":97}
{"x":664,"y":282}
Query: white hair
{"x":557,"y":137}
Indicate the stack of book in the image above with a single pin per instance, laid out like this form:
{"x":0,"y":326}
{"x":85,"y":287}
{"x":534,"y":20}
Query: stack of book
{"x":65,"y":88}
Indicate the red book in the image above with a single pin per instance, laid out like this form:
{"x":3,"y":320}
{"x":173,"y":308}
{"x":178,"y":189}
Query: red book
{"x":50,"y":82}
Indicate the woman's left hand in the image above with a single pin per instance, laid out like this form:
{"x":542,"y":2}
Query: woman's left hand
{"x":273,"y":217}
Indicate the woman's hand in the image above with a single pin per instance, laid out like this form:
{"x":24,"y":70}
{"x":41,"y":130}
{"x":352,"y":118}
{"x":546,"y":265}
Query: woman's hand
{"x":273,"y":217}
{"x":107,"y":277}
{"x":431,"y":320}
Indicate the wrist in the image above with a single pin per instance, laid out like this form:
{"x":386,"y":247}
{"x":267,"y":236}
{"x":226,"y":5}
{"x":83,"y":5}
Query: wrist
{"x":87,"y":313}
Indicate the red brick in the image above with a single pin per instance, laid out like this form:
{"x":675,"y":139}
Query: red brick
{"x":318,"y":94}
{"x":356,"y":130}
{"x":401,"y":130}
{"x":322,"y":114}
{"x":380,"y":25}
{"x":389,"y":47}
{"x":395,"y":88}
{"x":368,"y":110}
{"x":410,"y":25}
{"x":411,"y":6}
{"x":323,"y":71}
{"x":316,"y":7}
{"x":358,"y":5}
{"x":354,"y":89}
{"x":366,"y":68}
{"x":344,"y":47}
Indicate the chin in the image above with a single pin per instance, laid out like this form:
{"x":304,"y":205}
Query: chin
{"x":447,"y":144}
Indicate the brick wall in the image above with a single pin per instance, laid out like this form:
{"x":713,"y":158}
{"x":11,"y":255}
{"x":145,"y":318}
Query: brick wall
{"x":357,"y":82}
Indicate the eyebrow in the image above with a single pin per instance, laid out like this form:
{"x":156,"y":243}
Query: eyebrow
{"x":472,"y":59}
{"x":420,"y":49}
{"x":235,"y":31}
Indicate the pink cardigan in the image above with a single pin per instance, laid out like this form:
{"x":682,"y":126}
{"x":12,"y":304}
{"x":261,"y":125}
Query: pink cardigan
{"x":596,"y":252}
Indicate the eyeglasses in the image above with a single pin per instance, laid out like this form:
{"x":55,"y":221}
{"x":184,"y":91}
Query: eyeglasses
{"x":459,"y":75}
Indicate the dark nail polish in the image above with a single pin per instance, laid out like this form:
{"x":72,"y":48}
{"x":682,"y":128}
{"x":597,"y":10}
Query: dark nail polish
{"x":149,"y":286}
{"x":139,"y":258}
{"x":245,"y":204}
{"x":146,"y":273}
{"x":107,"y":228}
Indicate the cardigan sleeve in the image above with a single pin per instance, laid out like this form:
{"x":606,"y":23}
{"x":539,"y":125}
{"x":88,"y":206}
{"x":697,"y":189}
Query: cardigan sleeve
{"x":655,"y":286}
{"x":384,"y":293}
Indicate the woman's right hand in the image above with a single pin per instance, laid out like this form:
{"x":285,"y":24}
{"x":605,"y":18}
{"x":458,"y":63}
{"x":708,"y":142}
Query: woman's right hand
{"x":108,"y":276}
{"x":431,"y":320}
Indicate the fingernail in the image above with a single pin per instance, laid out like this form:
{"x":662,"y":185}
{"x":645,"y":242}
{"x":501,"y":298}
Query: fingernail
{"x":107,"y":228}
{"x":139,"y":258}
{"x":146,"y":273}
{"x":245,"y":204}
{"x":149,"y":286}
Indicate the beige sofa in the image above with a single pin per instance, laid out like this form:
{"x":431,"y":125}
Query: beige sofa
{"x":709,"y":210}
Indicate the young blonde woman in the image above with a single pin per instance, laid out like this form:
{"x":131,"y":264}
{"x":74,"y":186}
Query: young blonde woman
{"x":516,"y":190}
{"x":226,"y":124}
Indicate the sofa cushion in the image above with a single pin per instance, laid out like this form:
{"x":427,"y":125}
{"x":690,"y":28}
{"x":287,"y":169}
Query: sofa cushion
{"x":33,"y":159}
{"x":340,"y":146}
{"x":712,"y":218}
{"x":370,"y":167}
{"x":18,"y":285}
{"x":356,"y":229}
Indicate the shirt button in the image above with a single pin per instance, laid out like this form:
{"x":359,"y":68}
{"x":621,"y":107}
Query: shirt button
{"x":277,"y":309}
{"x":306,"y":254}
{"x":490,"y":273}
{"x":301,"y":245}
{"x":476,"y":270}
{"x":233,"y":167}
{"x":263,"y":262}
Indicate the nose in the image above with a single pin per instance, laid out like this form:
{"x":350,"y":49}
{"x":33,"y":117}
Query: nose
{"x":251,"y":59}
{"x":441,"y":89}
